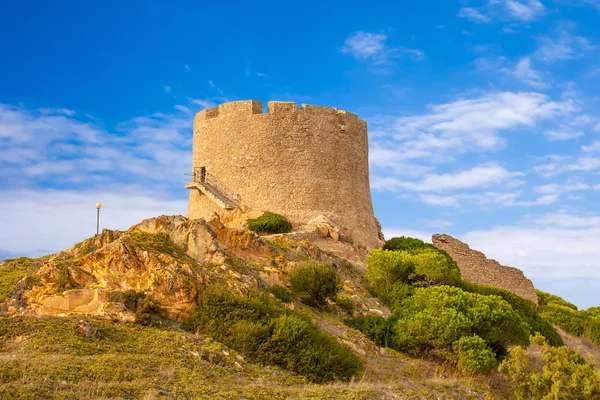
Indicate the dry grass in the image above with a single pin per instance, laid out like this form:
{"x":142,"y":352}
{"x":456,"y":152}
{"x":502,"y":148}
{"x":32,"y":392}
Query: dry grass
{"x":585,"y":346}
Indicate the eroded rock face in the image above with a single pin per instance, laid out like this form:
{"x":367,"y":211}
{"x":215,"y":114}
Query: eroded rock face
{"x":475,"y":267}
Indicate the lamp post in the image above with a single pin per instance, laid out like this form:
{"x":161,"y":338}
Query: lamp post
{"x":98,"y":207}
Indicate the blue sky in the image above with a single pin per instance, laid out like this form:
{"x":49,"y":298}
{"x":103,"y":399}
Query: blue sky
{"x":483,"y":115}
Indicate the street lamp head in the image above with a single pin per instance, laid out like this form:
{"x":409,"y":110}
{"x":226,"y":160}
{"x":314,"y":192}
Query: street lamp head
{"x":98,"y":205}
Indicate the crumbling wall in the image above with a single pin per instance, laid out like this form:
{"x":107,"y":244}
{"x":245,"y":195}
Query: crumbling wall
{"x":475,"y":267}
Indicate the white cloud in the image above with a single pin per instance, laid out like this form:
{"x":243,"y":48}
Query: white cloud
{"x":579,"y":164}
{"x":555,"y":188}
{"x":204,"y":103}
{"x":522,"y":70}
{"x":167,"y":89}
{"x":564,"y":133}
{"x":186,"y":67}
{"x":557,"y":245}
{"x":372,"y":46}
{"x":594,"y":146}
{"x":504,"y":10}
{"x":527,"y":10}
{"x":477,"y":177}
{"x":63,"y":217}
{"x":364,"y":44}
{"x":68,"y":151}
{"x":473,"y":15}
{"x":563,"y":45}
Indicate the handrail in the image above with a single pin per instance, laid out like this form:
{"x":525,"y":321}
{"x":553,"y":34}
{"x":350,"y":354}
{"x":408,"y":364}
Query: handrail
{"x":218,"y":188}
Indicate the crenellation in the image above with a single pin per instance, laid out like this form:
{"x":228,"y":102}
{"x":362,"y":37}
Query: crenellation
{"x":242,"y":106}
{"x":283,"y":107}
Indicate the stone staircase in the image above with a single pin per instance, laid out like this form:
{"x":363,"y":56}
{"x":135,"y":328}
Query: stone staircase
{"x":212,"y":188}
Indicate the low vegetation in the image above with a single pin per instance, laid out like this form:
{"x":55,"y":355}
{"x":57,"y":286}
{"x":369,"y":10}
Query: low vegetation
{"x":560,"y":374}
{"x":437,"y":314}
{"x":268,"y":333}
{"x":147,"y":311}
{"x":315,"y":283}
{"x":557,"y":311}
{"x":270,"y":223}
{"x":14,"y":270}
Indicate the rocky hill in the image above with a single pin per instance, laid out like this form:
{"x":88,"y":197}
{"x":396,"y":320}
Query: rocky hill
{"x":110,"y":318}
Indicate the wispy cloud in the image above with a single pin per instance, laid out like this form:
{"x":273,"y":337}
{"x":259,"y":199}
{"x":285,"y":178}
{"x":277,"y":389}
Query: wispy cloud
{"x":473,"y":15}
{"x":503,"y":11}
{"x":186,"y":67}
{"x":523,"y":70}
{"x":167,"y":89}
{"x":563,"y":44}
{"x":372,"y":47}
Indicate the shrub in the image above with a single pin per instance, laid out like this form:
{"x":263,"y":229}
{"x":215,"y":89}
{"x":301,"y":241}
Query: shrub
{"x":564,"y":374}
{"x":525,"y":309}
{"x":345,"y":303}
{"x":385,"y":267}
{"x":376,"y":328}
{"x":264,"y":332}
{"x":270,"y":223}
{"x":297,"y":346}
{"x":315,"y":282}
{"x":147,"y":311}
{"x":405,"y":243}
{"x":473,"y":355}
{"x":281,"y":293}
{"x":424,"y":267}
{"x":436,"y":317}
{"x":10,"y":274}
{"x":392,"y":295}
{"x":566,"y":315}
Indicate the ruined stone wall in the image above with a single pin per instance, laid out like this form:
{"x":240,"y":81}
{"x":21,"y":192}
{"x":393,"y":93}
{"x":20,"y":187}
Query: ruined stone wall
{"x":475,"y":267}
{"x":301,"y":162}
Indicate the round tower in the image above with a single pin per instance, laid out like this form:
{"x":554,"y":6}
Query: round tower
{"x":300,"y":162}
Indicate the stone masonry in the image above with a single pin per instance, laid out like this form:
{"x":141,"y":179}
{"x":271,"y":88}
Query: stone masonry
{"x":475,"y":267}
{"x":301,"y":162}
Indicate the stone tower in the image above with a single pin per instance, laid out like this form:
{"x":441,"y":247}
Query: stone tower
{"x":300,"y":162}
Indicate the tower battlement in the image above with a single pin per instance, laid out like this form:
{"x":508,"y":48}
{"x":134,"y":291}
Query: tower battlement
{"x":301,"y":162}
{"x":276,"y":109}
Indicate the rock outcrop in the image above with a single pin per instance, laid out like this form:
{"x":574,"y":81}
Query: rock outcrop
{"x":168,"y":258}
{"x":475,"y":267}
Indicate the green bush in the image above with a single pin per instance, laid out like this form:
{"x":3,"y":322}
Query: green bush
{"x":281,"y":293}
{"x":296,"y":345}
{"x":270,"y":223}
{"x":392,"y":295}
{"x":525,"y":308}
{"x":315,"y":283}
{"x":264,"y":332}
{"x":345,"y":303}
{"x":385,"y":267}
{"x":423,"y":267}
{"x":436,"y":317}
{"x":380,"y":330}
{"x":405,"y":243}
{"x":564,"y":374}
{"x":147,"y":311}
{"x":559,"y":312}
{"x":473,"y":355}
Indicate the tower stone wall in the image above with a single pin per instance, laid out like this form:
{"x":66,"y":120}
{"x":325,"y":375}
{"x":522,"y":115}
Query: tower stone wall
{"x":301,"y":162}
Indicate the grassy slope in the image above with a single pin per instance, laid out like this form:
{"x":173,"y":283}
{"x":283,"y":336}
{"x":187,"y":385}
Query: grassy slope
{"x":46,"y":358}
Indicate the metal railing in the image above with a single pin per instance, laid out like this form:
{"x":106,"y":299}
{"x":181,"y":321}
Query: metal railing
{"x":215,"y":186}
